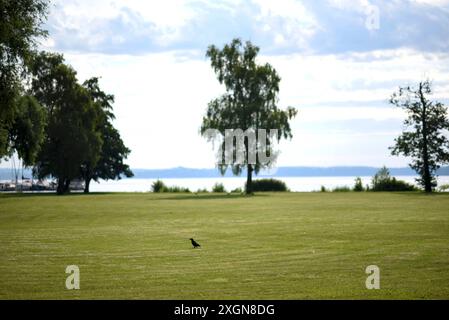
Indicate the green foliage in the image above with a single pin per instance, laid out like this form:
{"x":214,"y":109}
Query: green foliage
{"x":323,"y":189}
{"x":269,"y":185}
{"x":443,"y":188}
{"x":425,"y":140}
{"x":218,"y":188}
{"x":237,"y":190}
{"x":341,"y":189}
{"x":27,"y":132}
{"x":159,"y":187}
{"x":71,"y":135}
{"x":382,"y":181}
{"x":81,"y":141}
{"x":358,"y":186}
{"x":176,"y":189}
{"x":20,"y":27}
{"x":250,"y":102}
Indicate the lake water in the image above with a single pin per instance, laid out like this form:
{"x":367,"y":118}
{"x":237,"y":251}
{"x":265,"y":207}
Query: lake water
{"x":296,"y":184}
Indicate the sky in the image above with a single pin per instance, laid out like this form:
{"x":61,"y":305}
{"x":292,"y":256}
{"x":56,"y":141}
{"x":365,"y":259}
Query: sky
{"x":339,"y":60}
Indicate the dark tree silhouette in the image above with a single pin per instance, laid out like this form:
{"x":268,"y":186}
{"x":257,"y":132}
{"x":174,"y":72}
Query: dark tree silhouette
{"x":71,"y":138}
{"x":110,"y":165}
{"x":424,"y":139}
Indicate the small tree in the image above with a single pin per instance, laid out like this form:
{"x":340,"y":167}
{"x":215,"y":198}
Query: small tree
{"x":358,"y":186}
{"x":381,"y":177}
{"x":424,"y":141}
{"x":218,"y":188}
{"x":158,"y":186}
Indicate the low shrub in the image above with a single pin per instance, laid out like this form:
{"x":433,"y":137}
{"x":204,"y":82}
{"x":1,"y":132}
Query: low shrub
{"x":269,"y":185}
{"x":382,"y":181}
{"x":218,"y":188}
{"x":342,"y":189}
{"x":176,"y":189}
{"x":159,"y":187}
{"x":393,"y":185}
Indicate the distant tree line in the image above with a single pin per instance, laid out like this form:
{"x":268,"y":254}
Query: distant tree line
{"x":58,"y":126}
{"x":259,"y":185}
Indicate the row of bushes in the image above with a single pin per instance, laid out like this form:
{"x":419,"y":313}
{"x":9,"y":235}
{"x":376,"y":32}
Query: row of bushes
{"x":381,"y":182}
{"x":261,"y":185}
{"x":160,"y":187}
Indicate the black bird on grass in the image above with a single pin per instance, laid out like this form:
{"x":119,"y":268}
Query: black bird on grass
{"x":195,"y":244}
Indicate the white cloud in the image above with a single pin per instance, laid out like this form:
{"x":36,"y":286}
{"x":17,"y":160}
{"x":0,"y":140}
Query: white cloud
{"x":87,"y":18}
{"x":433,"y":2}
{"x":287,"y":19}
{"x":308,"y":80}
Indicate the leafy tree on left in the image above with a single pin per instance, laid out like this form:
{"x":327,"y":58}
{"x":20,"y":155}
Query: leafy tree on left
{"x":20,"y":27}
{"x":81,"y":141}
{"x":72,"y":138}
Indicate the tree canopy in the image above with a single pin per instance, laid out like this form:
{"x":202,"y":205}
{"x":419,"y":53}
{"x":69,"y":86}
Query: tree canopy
{"x":20,"y":28}
{"x":55,"y":124}
{"x":27,"y":131}
{"x":71,"y":135}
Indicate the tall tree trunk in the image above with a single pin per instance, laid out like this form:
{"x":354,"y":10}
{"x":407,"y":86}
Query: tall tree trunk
{"x":63,"y":186}
{"x":427,"y":177}
{"x":249,"y":180}
{"x":87,"y":185}
{"x":67,"y":186}
{"x":60,"y":188}
{"x":425,"y":156}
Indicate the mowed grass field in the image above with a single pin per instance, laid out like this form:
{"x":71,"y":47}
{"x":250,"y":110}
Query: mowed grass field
{"x":270,"y":246}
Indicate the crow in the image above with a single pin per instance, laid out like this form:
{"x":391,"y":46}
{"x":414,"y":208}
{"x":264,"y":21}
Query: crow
{"x":195,"y":244}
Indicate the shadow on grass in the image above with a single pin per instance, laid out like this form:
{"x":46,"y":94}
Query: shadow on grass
{"x":153,"y":196}
{"x":174,"y":196}
{"x":192,"y":196}
{"x":13,"y":195}
{"x":423,"y":194}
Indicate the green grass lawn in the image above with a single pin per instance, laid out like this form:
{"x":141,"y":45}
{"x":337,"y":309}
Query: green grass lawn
{"x":271,"y":246}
